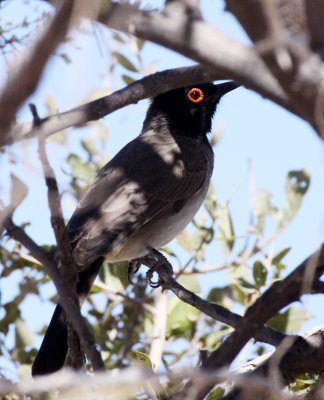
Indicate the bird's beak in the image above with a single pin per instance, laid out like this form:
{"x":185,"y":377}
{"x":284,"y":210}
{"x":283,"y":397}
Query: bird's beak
{"x":222,"y":88}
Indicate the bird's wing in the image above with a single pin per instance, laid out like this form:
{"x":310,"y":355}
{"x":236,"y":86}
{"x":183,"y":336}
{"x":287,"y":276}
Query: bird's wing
{"x":145,"y":180}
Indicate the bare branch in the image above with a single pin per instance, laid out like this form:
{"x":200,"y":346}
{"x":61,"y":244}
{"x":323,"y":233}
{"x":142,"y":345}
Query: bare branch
{"x":54,"y":202}
{"x":67,"y":266}
{"x":305,"y":355}
{"x":265,"y":334}
{"x":302,"y":78}
{"x":149,"y":86}
{"x":200,"y":41}
{"x":23,"y":83}
{"x":279,"y":295}
{"x":315,"y":18}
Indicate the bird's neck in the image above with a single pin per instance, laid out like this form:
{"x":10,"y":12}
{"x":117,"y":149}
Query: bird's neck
{"x":175,"y":125}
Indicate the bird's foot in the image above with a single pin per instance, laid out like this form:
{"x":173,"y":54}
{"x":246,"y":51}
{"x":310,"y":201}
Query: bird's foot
{"x":158,"y":263}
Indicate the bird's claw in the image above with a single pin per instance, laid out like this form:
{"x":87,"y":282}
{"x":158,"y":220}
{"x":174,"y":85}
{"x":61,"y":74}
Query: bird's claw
{"x":162,"y":267}
{"x":149,"y":277}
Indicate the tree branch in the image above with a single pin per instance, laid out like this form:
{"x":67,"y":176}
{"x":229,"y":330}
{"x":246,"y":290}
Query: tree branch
{"x":54,"y":202}
{"x":265,"y":334}
{"x":305,"y":355}
{"x":301,"y":75}
{"x":149,"y":86}
{"x":23,"y":83}
{"x":67,"y":299}
{"x":315,"y":18}
{"x":198,"y":40}
{"x":279,"y":295}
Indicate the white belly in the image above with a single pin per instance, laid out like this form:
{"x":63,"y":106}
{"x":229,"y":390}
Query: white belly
{"x":158,"y":234}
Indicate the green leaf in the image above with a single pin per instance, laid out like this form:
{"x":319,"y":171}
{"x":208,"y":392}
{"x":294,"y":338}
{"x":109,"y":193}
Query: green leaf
{"x":139,"y":44}
{"x":124,"y":61}
{"x":186,"y":241}
{"x":182,"y":320}
{"x":117,"y":36}
{"x":289,"y":321}
{"x":144,"y":360}
{"x":216,"y":394}
{"x":225,"y":228}
{"x":24,"y":336}
{"x":242,"y":287}
{"x":260,"y":273}
{"x":115,"y":275}
{"x":89,"y":146}
{"x":279,"y":256}
{"x":12,"y":313}
{"x":261,"y":204}
{"x":261,"y":208}
{"x":190,"y":282}
{"x":218,"y":295}
{"x":210,"y":202}
{"x":297,"y":184}
{"x":128,"y":79}
{"x":80,"y":169}
{"x":120,"y":270}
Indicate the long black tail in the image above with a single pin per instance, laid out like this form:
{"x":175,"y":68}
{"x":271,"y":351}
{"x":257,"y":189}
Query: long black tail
{"x":53,"y":351}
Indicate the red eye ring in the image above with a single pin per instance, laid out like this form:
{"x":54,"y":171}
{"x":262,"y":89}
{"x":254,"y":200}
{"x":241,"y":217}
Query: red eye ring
{"x":195,"y":95}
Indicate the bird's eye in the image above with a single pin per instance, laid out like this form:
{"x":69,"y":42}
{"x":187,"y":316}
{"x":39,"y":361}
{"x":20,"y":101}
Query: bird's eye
{"x":195,"y":95}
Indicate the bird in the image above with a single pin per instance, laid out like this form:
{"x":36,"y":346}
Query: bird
{"x":142,"y":198}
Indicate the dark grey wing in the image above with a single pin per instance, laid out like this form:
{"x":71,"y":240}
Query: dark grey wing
{"x":143,"y":181}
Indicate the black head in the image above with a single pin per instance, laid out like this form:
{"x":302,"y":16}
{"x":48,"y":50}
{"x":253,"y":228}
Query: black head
{"x":186,"y":111}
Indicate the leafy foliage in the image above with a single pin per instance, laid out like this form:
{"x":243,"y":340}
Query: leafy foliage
{"x":122,"y":315}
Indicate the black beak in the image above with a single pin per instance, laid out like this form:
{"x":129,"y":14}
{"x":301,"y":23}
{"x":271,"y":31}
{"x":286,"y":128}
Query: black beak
{"x":222,"y":88}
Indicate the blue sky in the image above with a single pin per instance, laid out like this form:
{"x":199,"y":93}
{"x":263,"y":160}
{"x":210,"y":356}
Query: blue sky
{"x":256,"y":134}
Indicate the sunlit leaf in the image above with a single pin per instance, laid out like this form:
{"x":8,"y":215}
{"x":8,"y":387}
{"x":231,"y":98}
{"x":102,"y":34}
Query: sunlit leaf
{"x":289,"y":321}
{"x":144,"y":360}
{"x":297,"y":184}
{"x":218,"y":294}
{"x":279,"y":256}
{"x":225,"y":228}
{"x":80,"y":169}
{"x":120,"y":271}
{"x":186,"y":241}
{"x":261,"y":204}
{"x":124,"y":61}
{"x":261,"y":208}
{"x":216,"y":394}
{"x":260,"y":273}
{"x":89,"y":146}
{"x":127,"y":79}
{"x":182,"y":320}
{"x":190,"y":282}
{"x":210,"y":202}
{"x":51,"y":104}
{"x":24,"y":336}
{"x":139,"y":43}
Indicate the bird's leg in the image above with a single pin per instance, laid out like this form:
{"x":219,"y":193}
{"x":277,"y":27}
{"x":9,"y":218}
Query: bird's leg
{"x":158,"y":263}
{"x":133,"y":267}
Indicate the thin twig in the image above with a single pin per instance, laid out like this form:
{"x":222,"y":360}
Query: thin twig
{"x":23,"y":82}
{"x":265,"y":334}
{"x":67,"y":299}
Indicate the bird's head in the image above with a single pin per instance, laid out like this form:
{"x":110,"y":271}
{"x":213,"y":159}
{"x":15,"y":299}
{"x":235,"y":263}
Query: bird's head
{"x":186,"y":111}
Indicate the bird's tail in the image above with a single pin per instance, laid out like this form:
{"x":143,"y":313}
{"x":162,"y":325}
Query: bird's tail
{"x":54,"y":348}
